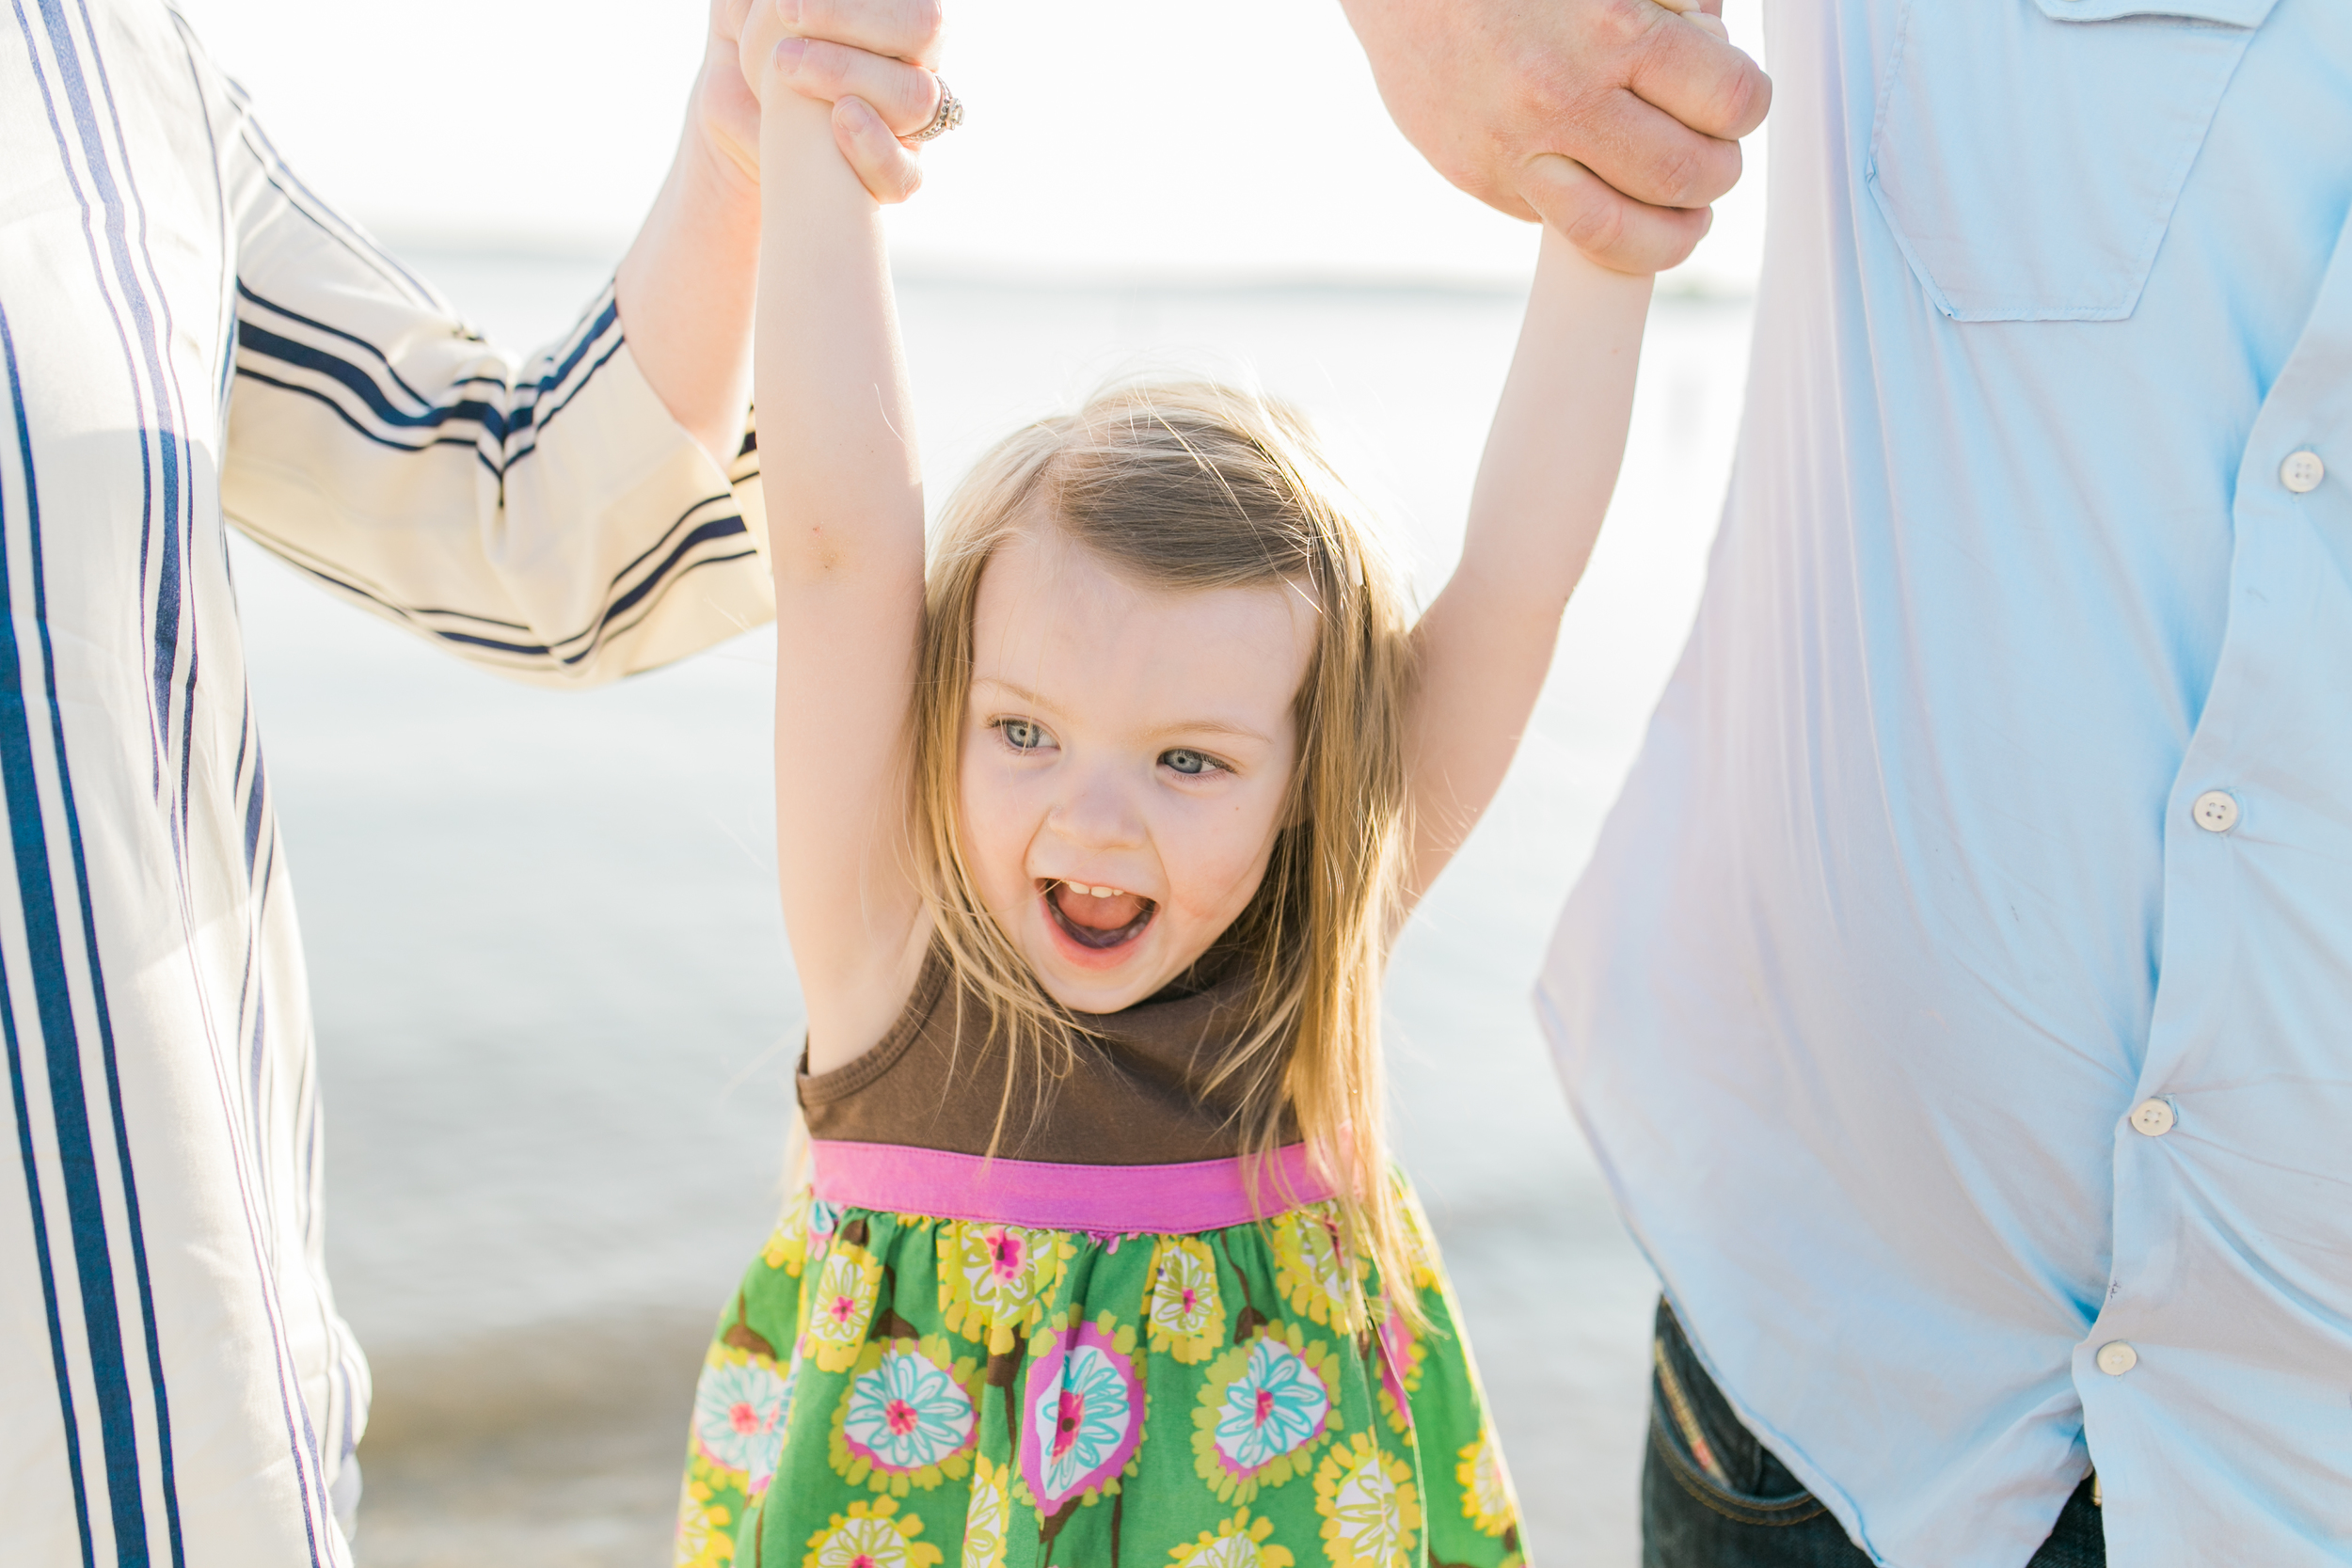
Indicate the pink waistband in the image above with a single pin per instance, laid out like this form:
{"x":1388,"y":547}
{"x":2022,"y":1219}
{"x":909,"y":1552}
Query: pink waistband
{"x":1202,"y":1195}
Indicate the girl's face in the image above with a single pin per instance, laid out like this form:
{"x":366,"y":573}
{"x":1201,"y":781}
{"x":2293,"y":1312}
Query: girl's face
{"x":1127,"y":754}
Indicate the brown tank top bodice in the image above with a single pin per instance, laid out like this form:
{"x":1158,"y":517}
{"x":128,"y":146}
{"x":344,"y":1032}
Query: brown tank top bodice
{"x":1136,"y":1094}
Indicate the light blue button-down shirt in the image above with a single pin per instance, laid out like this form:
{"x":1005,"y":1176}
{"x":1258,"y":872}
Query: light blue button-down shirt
{"x":1907,"y":906}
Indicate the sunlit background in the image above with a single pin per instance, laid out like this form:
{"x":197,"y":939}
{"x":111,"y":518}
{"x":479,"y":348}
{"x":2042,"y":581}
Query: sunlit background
{"x":1218,"y":139}
{"x":555,"y":1012}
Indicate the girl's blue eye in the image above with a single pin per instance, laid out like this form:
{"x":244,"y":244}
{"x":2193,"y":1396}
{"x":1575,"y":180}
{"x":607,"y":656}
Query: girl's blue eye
{"x":1021,"y":735}
{"x":1190,"y":764}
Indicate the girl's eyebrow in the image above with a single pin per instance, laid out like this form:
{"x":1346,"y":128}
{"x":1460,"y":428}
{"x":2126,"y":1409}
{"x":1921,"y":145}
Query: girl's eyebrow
{"x":1019,"y":694}
{"x":1028,"y":698}
{"x":1210,"y":726}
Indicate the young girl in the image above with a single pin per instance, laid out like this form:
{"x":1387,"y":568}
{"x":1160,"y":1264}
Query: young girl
{"x":1095,"y":824}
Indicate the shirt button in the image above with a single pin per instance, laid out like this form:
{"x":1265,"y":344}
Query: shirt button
{"x":2302,"y":471}
{"x":2115,"y":1358}
{"x":2215,"y":811}
{"x":2152,"y":1118}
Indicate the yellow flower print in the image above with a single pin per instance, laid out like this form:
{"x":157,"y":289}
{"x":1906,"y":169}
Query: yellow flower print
{"x":987,"y":1519}
{"x":1184,"y":1314}
{"x":1312,"y":1271}
{"x":909,"y":1417}
{"x":783,"y":1250}
{"x":1370,"y":1514}
{"x":871,"y":1535}
{"x":802,"y":1234}
{"x":1239,"y":1543}
{"x":840,"y":1306}
{"x":1488,"y":1501}
{"x":1264,"y":1408}
{"x":705,"y":1525}
{"x":1420,"y":1242}
{"x":994,"y":1279}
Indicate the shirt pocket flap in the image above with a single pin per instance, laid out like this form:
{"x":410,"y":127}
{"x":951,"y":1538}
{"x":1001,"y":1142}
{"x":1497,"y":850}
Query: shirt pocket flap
{"x":2028,"y":167}
{"x":2233,"y":13}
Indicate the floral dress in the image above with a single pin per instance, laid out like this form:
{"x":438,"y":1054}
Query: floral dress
{"x":899,"y":1390}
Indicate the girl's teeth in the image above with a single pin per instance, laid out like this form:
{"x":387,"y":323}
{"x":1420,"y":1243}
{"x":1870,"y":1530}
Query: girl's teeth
{"x":1097,"y":892}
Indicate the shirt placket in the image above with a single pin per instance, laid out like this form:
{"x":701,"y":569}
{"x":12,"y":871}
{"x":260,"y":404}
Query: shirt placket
{"x":2220,"y":1152}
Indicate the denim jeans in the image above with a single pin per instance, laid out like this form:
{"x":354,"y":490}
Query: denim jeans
{"x":1751,"y":1512}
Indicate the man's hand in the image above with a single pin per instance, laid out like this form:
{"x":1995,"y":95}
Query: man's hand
{"x":1644,"y":107}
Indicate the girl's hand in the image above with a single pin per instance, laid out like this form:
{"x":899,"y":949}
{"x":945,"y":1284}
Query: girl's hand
{"x":871,"y":59}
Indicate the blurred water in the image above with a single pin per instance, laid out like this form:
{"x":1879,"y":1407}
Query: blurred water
{"x":556,"y":1016}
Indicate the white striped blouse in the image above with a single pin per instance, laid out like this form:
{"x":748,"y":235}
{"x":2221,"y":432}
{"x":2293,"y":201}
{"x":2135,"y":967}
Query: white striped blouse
{"x":175,"y":1386}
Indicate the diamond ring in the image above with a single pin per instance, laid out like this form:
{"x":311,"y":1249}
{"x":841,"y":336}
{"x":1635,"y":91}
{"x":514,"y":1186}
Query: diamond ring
{"x":945,"y":119}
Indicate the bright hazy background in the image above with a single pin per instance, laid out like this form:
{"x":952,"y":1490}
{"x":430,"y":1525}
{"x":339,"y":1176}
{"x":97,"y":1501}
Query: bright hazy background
{"x":1222,"y":138}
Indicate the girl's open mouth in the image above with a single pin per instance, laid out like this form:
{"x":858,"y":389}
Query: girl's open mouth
{"x":1100,"y":918}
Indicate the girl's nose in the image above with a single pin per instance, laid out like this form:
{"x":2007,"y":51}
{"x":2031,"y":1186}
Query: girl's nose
{"x":1097,"y":813}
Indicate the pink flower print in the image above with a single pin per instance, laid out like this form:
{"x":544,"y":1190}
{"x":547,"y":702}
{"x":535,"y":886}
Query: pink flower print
{"x":1008,"y":1254}
{"x":841,"y":1303}
{"x":1398,"y":1347}
{"x":1182,"y":1312}
{"x":1070,"y":1415}
{"x":1085,"y":1406}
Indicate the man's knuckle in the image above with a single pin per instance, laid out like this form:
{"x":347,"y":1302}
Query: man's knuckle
{"x":1734,"y":94}
{"x":1592,"y":222}
{"x":1625,"y":22}
{"x":1746,"y":97}
{"x":1679,"y":175}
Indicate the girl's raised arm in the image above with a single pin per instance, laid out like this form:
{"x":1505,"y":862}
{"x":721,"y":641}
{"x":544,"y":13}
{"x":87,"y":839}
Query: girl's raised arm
{"x":1543,"y":485}
{"x":845,"y":532}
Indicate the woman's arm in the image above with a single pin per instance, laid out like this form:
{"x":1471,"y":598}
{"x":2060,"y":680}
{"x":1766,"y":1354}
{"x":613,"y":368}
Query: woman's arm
{"x":1550,"y":462}
{"x":685,"y":288}
{"x":844,"y":530}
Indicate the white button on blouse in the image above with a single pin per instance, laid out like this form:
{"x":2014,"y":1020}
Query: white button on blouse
{"x":2302,"y":472}
{"x":2115,"y":1358}
{"x":2152,"y":1118}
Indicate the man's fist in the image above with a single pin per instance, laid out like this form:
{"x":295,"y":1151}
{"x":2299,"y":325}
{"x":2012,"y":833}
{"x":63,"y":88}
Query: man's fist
{"x":1642,"y":107}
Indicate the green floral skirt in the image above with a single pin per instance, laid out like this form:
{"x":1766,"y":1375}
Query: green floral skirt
{"x":891,"y":1390}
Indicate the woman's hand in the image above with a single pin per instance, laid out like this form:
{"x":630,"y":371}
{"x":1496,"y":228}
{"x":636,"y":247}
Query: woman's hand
{"x":872,"y":60}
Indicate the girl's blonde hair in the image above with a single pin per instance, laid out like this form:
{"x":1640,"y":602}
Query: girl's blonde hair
{"x":1191,"y":485}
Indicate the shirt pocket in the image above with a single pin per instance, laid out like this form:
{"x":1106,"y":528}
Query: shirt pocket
{"x":2027,"y":153}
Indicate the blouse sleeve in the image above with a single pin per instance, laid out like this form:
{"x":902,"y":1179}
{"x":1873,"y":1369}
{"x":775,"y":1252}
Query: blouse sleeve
{"x":549,"y":519}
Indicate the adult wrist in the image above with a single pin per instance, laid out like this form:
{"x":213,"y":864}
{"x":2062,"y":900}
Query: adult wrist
{"x":721,"y":150}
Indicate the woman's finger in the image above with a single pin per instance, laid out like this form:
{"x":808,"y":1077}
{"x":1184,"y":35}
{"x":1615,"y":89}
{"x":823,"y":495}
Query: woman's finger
{"x":885,"y":167}
{"x":910,"y":29}
{"x":906,"y":96}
